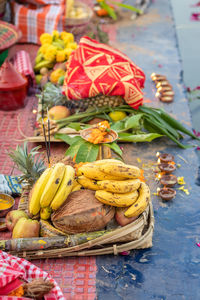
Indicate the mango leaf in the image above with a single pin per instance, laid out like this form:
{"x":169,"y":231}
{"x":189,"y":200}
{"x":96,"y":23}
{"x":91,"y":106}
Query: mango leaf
{"x":74,"y":148}
{"x":87,"y":152}
{"x":133,"y":122}
{"x":115,"y":148}
{"x":66,"y":138}
{"x":118,"y":126}
{"x":75,"y":125}
{"x":133,"y":8}
{"x":146,"y":137}
{"x":109,"y":9}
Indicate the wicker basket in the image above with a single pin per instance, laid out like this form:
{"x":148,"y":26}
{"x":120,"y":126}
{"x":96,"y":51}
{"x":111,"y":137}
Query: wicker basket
{"x":136,"y":235}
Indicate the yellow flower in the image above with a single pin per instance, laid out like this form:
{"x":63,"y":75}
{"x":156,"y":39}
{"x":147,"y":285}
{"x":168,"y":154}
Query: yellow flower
{"x":68,"y":52}
{"x":45,"y":38}
{"x":55,"y":34}
{"x":72,"y":45}
{"x":180,"y":180}
{"x":182,"y":188}
{"x":50,"y":53}
{"x":44,"y":48}
{"x":60,"y":56}
{"x":67,"y":37}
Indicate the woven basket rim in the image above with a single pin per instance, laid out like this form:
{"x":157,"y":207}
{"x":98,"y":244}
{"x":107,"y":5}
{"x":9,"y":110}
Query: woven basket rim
{"x":11,"y":29}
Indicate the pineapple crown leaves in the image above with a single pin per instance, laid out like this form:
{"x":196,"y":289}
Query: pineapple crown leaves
{"x":27,"y":162}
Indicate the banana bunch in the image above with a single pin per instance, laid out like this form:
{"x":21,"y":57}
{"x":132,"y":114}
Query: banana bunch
{"x":116,"y":184}
{"x":51,"y":190}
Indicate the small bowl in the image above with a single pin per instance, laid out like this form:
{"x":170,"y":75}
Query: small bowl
{"x":168,"y":180}
{"x":8,"y":198}
{"x":167,"y":168}
{"x":167,"y":194}
{"x":79,"y":25}
{"x":85,"y":134}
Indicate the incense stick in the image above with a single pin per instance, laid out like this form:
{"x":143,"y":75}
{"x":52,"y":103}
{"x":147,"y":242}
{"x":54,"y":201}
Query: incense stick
{"x":49,"y":136}
{"x":44,"y":131}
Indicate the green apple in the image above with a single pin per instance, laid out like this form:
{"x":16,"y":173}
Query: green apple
{"x":26,"y":228}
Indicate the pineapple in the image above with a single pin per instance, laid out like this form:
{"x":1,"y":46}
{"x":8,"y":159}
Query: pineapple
{"x":98,"y":101}
{"x":30,"y":166}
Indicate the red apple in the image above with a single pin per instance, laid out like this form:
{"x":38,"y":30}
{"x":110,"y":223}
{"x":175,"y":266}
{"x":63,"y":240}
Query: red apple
{"x":26,"y":228}
{"x":121,"y":219}
{"x":13,"y":216}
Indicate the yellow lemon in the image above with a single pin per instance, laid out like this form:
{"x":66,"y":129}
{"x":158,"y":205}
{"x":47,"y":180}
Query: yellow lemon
{"x":117,"y":115}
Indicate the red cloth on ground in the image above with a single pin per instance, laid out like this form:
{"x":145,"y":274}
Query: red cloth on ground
{"x":12,"y":268}
{"x":95,"y":68}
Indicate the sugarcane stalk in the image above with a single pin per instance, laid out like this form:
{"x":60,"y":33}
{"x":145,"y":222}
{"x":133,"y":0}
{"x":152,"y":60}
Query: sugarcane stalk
{"x":28,"y":244}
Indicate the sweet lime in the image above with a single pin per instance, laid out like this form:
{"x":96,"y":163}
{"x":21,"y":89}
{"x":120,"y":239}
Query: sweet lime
{"x":117,"y":115}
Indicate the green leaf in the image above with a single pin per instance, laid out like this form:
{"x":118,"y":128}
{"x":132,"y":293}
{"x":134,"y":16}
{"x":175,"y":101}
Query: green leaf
{"x":76,"y":126}
{"x":87,"y":152}
{"x":133,"y":122}
{"x":117,"y":126}
{"x":74,"y":148}
{"x":146,"y":137}
{"x":66,"y":138}
{"x":109,"y":9}
{"x":115,"y":148}
{"x":133,"y":8}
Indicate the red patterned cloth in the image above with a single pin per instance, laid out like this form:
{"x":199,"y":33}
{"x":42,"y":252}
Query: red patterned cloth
{"x":38,"y":16}
{"x":13,"y":268}
{"x":95,"y":68}
{"x":22,"y":64}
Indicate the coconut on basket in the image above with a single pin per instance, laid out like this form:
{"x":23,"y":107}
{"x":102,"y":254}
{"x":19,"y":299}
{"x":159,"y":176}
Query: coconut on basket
{"x":82,"y":212}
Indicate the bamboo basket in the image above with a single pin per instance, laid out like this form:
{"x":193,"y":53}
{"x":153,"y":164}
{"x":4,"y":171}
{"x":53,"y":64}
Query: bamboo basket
{"x":136,"y":235}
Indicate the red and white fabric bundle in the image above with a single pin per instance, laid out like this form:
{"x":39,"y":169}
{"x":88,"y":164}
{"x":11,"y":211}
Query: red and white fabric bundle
{"x":34,"y":17}
{"x":95,"y":68}
{"x":22,"y":63}
{"x":14,"y":269}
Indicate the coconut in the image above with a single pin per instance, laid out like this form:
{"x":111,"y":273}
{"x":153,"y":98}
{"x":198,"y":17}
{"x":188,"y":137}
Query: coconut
{"x":82,"y":212}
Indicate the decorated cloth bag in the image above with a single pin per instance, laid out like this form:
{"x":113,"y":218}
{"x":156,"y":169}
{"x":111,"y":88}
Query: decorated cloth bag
{"x":14,"y":271}
{"x":35,"y":17}
{"x":95,"y":68}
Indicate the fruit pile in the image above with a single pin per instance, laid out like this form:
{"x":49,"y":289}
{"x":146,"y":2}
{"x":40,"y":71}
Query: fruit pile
{"x":56,"y":195}
{"x":116,"y":184}
{"x":55,"y":48}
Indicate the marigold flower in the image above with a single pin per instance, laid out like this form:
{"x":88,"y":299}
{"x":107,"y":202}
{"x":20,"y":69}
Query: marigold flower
{"x":72,"y":45}
{"x":60,"y":56}
{"x":55,"y":34}
{"x":44,"y":48}
{"x":45,"y":38}
{"x":67,"y":37}
{"x":50,"y":53}
{"x":68,"y":52}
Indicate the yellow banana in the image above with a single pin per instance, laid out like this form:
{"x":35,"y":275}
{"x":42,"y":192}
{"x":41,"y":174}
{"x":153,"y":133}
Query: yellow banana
{"x":45,"y":213}
{"x":37,"y":190}
{"x":119,"y":200}
{"x":125,"y":171}
{"x":88,"y":183}
{"x":142,"y":202}
{"x":119,"y":186}
{"x":52,"y":184}
{"x":65,"y":188}
{"x":76,"y":186}
{"x":93,"y":171}
{"x":108,"y":161}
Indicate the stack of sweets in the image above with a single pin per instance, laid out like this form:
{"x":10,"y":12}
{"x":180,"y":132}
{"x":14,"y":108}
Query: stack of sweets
{"x":164,"y":89}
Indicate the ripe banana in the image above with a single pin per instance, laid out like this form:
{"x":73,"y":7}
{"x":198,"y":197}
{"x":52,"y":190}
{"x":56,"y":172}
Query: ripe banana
{"x":125,"y":171}
{"x":76,"y":186}
{"x":108,"y":161}
{"x":119,"y":200}
{"x":45,"y":213}
{"x":52,"y":185}
{"x":47,"y":230}
{"x":37,"y":190}
{"x":119,"y":186}
{"x":93,"y":171}
{"x":142,"y":202}
{"x":88,"y":183}
{"x":64,"y":189}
